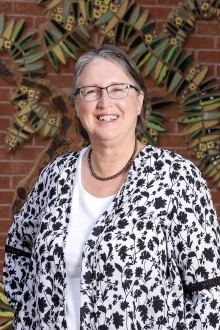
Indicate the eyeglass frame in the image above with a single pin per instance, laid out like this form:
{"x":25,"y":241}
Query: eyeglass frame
{"x":78,"y":91}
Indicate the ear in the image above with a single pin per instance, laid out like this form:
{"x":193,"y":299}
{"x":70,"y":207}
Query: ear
{"x":140,"y":99}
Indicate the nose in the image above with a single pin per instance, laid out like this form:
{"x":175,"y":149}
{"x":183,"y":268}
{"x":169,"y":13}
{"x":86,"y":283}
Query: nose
{"x":104,"y":99}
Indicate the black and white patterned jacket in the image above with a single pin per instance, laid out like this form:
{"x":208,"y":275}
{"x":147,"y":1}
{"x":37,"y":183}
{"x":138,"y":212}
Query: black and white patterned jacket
{"x":152,"y":260}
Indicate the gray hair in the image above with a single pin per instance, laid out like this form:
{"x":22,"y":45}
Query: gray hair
{"x":125,"y":63}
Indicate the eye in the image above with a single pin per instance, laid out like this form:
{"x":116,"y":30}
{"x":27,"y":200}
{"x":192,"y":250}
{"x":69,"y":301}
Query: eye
{"x":117,"y":88}
{"x":91,"y":90}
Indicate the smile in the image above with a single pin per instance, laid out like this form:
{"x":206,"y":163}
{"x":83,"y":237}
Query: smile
{"x":107,"y":118}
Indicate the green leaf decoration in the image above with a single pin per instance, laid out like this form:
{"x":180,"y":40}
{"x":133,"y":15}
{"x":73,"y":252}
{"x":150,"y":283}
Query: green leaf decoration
{"x":148,"y":27}
{"x":135,"y":15}
{"x":149,"y":138}
{"x":163,"y":74}
{"x":104,"y":18}
{"x":171,"y":54}
{"x":18,"y":31}
{"x":126,"y":31}
{"x":50,"y":36}
{"x":182,"y":87}
{"x":195,"y":109}
{"x":178,"y":59}
{"x":128,"y":13}
{"x":141,"y":21}
{"x":177,"y":78}
{"x":57,"y":34}
{"x":2,"y":23}
{"x":31,"y":59}
{"x":156,"y":43}
{"x":155,"y":125}
{"x":52,"y":59}
{"x":84,"y":31}
{"x":136,"y":42}
{"x":211,"y":115}
{"x":159,"y":50}
{"x":30,"y":50}
{"x":8,"y":31}
{"x":119,"y":32}
{"x":151,"y":64}
{"x":185,"y":63}
{"x":143,"y":58}
{"x":25,"y":40}
{"x":140,"y":49}
{"x":66,"y":10}
{"x":160,"y":105}
{"x":190,"y":119}
{"x":75,"y":10}
{"x":68,"y":50}
{"x":89,"y":8}
{"x":210,"y":100}
{"x":58,"y":26}
{"x":72,"y":41}
{"x":46,"y":41}
{"x":121,"y":11}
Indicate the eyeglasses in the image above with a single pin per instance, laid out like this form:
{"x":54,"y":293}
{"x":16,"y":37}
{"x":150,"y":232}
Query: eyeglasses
{"x":115,"y":91}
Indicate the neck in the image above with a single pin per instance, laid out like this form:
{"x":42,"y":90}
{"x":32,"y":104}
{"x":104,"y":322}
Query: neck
{"x":108,"y":160}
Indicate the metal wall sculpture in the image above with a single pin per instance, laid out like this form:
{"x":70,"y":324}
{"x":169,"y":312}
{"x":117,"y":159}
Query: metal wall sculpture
{"x":67,"y":32}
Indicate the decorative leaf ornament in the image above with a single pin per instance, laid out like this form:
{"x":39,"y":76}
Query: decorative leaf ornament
{"x":6,"y":312}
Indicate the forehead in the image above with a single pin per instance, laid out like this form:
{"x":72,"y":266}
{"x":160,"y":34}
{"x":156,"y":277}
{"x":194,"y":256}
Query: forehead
{"x":102,"y":70}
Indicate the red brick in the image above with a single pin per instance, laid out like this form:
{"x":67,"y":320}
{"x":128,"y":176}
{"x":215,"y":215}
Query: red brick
{"x":28,"y":7}
{"x":170,"y":140}
{"x":2,"y":253}
{"x":199,"y":42}
{"x":6,"y":196}
{"x":6,"y":6}
{"x":16,"y":180}
{"x":4,"y":154}
{"x":4,"y":93}
{"x":27,"y":153}
{"x":216,"y":196}
{"x":205,"y":56}
{"x":3,"y":238}
{"x":4,"y":182}
{"x":5,"y":212}
{"x":208,"y":28}
{"x":15,"y":167}
{"x":4,"y":123}
{"x":172,"y":3}
{"x":146,"y":3}
{"x":159,"y":13}
{"x":5,"y":226}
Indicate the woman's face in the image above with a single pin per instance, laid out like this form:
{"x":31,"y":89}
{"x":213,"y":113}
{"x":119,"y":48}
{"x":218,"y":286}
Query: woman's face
{"x":107,"y":119}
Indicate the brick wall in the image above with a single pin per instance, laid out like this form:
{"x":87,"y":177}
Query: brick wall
{"x":204,"y":42}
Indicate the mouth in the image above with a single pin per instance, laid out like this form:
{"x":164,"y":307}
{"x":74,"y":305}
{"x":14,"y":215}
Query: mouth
{"x":107,"y":118}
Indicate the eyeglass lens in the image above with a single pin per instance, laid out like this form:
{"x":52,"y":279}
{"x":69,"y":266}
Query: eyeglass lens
{"x":116,"y":91}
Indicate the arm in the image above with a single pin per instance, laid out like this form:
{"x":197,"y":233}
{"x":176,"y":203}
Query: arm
{"x":196,"y":244}
{"x":20,"y":241}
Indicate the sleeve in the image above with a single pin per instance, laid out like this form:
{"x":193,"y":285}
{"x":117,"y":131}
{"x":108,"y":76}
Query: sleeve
{"x":20,"y":241}
{"x":196,"y":244}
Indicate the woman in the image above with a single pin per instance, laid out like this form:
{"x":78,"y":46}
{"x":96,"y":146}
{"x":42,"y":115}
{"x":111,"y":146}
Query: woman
{"x":135,"y":222}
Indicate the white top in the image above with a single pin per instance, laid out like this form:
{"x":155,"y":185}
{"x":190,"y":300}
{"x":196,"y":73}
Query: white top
{"x":85,"y":211}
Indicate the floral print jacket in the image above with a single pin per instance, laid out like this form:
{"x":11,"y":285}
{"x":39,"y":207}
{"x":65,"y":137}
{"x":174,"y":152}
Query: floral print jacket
{"x":152,"y":260}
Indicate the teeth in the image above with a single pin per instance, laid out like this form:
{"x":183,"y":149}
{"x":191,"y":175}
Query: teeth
{"x":107,"y":118}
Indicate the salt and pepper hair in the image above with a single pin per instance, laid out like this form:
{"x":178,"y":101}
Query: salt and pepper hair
{"x":125,"y":63}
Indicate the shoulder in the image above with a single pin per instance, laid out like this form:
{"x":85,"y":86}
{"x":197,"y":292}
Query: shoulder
{"x":65,"y":162}
{"x":175,"y":165}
